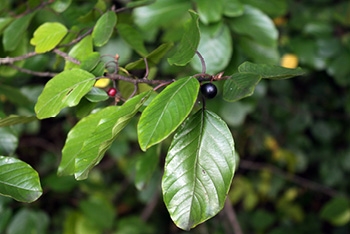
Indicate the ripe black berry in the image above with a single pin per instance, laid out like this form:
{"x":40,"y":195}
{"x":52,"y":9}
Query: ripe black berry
{"x":209,"y":90}
{"x":112,"y":92}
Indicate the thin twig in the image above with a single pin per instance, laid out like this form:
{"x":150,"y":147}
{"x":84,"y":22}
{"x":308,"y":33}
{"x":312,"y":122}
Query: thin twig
{"x":9,"y":60}
{"x":34,"y":73}
{"x":204,"y":68}
{"x":308,"y":184}
{"x":66,"y":56}
{"x":147,"y":69}
{"x":232,"y":217}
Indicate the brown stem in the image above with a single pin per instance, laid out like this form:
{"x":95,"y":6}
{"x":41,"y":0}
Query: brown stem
{"x":9,"y":60}
{"x":232,"y":217}
{"x":35,"y":73}
{"x":66,"y":56}
{"x":204,"y":67}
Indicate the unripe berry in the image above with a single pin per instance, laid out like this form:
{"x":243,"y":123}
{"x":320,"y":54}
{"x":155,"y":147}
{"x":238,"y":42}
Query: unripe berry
{"x":209,"y":90}
{"x":112,"y":92}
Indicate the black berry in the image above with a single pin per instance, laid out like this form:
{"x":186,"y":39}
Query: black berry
{"x":112,"y":92}
{"x":209,"y":90}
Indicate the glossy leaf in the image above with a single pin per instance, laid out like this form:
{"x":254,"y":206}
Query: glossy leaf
{"x":167,"y":111}
{"x":209,"y":11}
{"x":270,"y":71}
{"x":216,"y":48}
{"x":92,"y":136}
{"x":159,"y":13}
{"x":153,"y":58}
{"x":16,"y":119}
{"x":19,"y":180}
{"x":104,"y":28}
{"x":133,"y":37}
{"x":48,"y":36}
{"x":188,"y":44}
{"x":240,"y":85}
{"x":80,"y":51}
{"x":256,"y":25}
{"x":63,"y":90}
{"x":14,"y":33}
{"x":96,"y":95}
{"x":199,"y":168}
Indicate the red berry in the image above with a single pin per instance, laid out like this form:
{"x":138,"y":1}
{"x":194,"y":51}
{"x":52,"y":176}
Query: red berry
{"x":112,"y":92}
{"x":209,"y":90}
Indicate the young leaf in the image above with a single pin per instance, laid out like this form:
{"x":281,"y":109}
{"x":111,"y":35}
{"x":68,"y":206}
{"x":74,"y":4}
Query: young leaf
{"x":15,"y":32}
{"x":92,"y":136}
{"x":188,"y":44}
{"x":167,"y":111}
{"x":104,"y":28}
{"x":199,"y":168}
{"x":48,"y":36}
{"x":16,"y":119}
{"x":64,"y":89}
{"x":19,"y":180}
{"x":96,"y":95}
{"x":240,"y":85}
{"x":270,"y":71}
{"x":133,"y":38}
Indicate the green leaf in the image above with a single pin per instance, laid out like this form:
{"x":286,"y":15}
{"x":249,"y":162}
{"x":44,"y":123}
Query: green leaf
{"x":133,"y":37}
{"x":336,"y":211}
{"x":159,"y":13}
{"x":19,"y":180}
{"x":14,"y":33}
{"x":139,"y":3}
{"x":28,"y":221}
{"x":188,"y":44}
{"x":233,"y":8}
{"x":153,"y":58}
{"x":8,"y":141}
{"x":16,"y":119}
{"x":48,"y":36}
{"x":272,"y":7}
{"x":146,"y":164}
{"x":92,"y":136}
{"x":4,"y":22}
{"x":96,"y":95}
{"x":167,"y":111}
{"x":270,"y":71}
{"x":80,"y":52}
{"x":90,"y":62}
{"x":14,"y":95}
{"x":104,"y":28}
{"x":199,"y":168}
{"x":64,"y":89}
{"x":60,"y":5}
{"x":209,"y":11}
{"x":215,"y":46}
{"x":240,"y":85}
{"x":255,"y":24}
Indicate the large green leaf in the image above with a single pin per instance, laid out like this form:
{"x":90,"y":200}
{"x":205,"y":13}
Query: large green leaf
{"x":270,"y":71}
{"x":215,"y":47}
{"x":16,"y":119}
{"x":14,"y":33}
{"x":64,"y":89}
{"x":240,"y":85}
{"x":159,"y":13}
{"x":256,"y":25}
{"x":92,"y":136}
{"x":167,"y":111}
{"x":104,"y":28}
{"x":233,"y":8}
{"x":133,"y":37}
{"x":80,"y":51}
{"x":19,"y":180}
{"x":48,"y":36}
{"x":188,"y":44}
{"x":209,"y":11}
{"x":199,"y":168}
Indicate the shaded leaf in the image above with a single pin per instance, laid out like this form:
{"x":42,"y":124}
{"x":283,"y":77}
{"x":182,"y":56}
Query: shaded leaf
{"x":145,"y":166}
{"x":270,"y":71}
{"x":8,"y":141}
{"x":256,"y":25}
{"x":91,"y":61}
{"x":80,"y":52}
{"x":133,"y":38}
{"x":14,"y":33}
{"x":336,"y":211}
{"x":60,"y":5}
{"x":258,"y":52}
{"x":139,"y":3}
{"x":240,"y":85}
{"x":63,"y":90}
{"x":4,"y":22}
{"x":167,"y":111}
{"x":188,"y":44}
{"x":14,"y":95}
{"x":96,"y":95}
{"x":233,"y":8}
{"x":104,"y":28}
{"x":153,"y":58}
{"x":272,"y":7}
{"x":199,"y":168}
{"x":28,"y":221}
{"x":16,"y":119}
{"x":47,"y":36}
{"x":19,"y":180}
{"x":92,"y":136}
{"x":215,"y":46}
{"x":209,"y":11}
